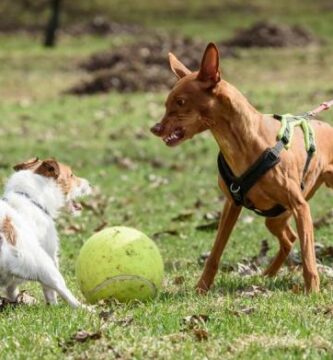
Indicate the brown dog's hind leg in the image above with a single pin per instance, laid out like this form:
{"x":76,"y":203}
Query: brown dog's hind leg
{"x":280,"y":228}
{"x":227,"y":221}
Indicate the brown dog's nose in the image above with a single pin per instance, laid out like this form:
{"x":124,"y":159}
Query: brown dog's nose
{"x":157,"y":129}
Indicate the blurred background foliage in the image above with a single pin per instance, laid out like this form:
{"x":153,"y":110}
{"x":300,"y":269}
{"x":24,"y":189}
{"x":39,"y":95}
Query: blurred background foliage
{"x":33,"y":14}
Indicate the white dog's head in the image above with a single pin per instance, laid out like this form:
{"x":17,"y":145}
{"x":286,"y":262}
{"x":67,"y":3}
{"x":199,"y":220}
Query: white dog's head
{"x":70,"y":185}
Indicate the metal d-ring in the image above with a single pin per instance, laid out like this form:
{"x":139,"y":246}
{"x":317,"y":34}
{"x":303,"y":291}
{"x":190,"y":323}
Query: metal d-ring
{"x":233,"y":190}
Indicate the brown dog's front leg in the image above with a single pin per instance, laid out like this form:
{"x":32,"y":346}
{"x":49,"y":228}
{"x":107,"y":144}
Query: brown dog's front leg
{"x":227,"y":221}
{"x":304,"y":224}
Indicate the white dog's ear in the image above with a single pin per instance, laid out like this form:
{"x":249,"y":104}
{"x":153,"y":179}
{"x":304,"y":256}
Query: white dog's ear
{"x":48,"y":168}
{"x":27,"y":164}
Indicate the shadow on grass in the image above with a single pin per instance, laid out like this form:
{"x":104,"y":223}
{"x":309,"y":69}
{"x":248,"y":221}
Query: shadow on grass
{"x":234,"y":284}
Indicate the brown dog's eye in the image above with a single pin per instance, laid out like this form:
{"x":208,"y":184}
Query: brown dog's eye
{"x":180,"y":102}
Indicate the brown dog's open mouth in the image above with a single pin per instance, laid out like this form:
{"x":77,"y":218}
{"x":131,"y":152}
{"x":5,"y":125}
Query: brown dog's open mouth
{"x":175,"y":137}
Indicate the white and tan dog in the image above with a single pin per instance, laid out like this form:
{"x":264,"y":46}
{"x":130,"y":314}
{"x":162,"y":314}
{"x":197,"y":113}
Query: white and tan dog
{"x":33,"y":196}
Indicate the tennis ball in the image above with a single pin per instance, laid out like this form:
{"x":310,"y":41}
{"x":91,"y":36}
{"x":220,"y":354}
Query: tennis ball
{"x":121,"y":263}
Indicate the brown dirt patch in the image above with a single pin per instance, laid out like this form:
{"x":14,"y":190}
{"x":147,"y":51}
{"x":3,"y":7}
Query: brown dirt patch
{"x":141,"y":66}
{"x":267,"y":34}
{"x":101,"y":26}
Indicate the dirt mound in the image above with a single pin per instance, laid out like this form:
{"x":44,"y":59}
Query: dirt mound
{"x":101,"y":26}
{"x":141,"y":66}
{"x":267,"y":34}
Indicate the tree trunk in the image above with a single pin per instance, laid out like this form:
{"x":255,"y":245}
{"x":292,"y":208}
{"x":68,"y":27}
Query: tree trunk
{"x":52,"y":26}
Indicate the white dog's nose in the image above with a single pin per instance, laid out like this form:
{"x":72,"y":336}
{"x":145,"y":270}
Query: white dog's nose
{"x":85,"y":186}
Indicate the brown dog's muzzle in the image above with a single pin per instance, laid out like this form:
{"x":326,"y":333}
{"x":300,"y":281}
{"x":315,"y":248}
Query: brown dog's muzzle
{"x":157,"y":129}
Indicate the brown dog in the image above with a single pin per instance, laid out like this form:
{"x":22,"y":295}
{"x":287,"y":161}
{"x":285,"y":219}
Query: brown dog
{"x":202,"y":100}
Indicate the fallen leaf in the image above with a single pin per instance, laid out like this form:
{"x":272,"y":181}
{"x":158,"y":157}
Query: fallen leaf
{"x":215,"y":215}
{"x":124,"y":322}
{"x":177,"y":167}
{"x":157,"y":181}
{"x":208,"y":227}
{"x":165,"y":232}
{"x":82,"y":336}
{"x":243,"y":311}
{"x":200,"y":334}
{"x":184,"y":216}
{"x":25,"y":299}
{"x":72,"y":229}
{"x":126,"y":163}
{"x":246,"y":269}
{"x":328,"y":310}
{"x":294,"y":259}
{"x":198,"y":204}
{"x":326,"y":270}
{"x":297,"y":289}
{"x":261,"y":258}
{"x":196,"y":324}
{"x":178,"y":280}
{"x":193,"y":320}
{"x":97,"y":203}
{"x":101,"y":226}
{"x":323,"y":252}
{"x":254,"y":290}
{"x":105,"y":315}
{"x":156,"y":163}
{"x":22,"y":299}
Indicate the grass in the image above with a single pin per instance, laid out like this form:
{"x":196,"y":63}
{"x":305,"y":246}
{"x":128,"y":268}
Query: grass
{"x":90,"y":133}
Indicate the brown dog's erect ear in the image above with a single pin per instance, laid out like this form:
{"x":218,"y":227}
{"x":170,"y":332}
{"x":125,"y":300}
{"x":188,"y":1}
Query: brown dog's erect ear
{"x":27,"y":164}
{"x":48,"y":168}
{"x":209,"y":69}
{"x":178,"y":68}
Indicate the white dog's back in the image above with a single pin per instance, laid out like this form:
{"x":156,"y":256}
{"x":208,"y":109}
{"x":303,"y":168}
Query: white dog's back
{"x":28,"y":237}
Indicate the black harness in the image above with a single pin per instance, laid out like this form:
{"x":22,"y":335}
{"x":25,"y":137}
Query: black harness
{"x":239,"y":186}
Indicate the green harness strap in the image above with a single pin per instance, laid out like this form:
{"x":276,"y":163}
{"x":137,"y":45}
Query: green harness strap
{"x":288,"y":124}
{"x":286,"y":133}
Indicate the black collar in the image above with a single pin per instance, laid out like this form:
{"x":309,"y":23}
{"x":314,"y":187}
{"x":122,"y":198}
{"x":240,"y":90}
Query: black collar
{"x":27,"y":196}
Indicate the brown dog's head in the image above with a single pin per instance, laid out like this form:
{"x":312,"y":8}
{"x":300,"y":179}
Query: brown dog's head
{"x":189,"y":104}
{"x":70,"y":185}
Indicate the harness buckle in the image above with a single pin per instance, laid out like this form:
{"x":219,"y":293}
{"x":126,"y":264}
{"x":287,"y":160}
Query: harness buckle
{"x":235,"y":193}
{"x":233,"y":189}
{"x":273,"y":153}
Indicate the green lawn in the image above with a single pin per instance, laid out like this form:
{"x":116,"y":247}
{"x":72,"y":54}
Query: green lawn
{"x":93,"y":133}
